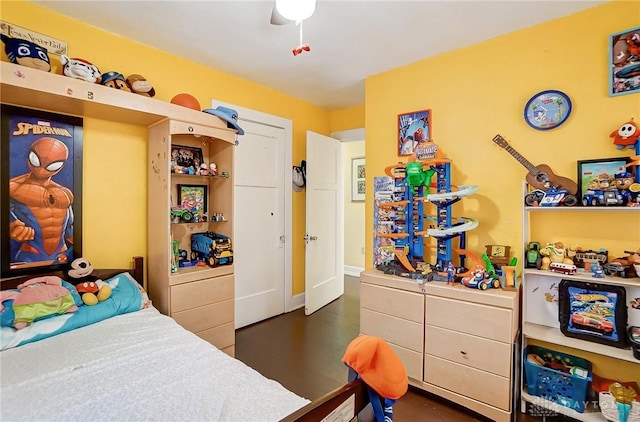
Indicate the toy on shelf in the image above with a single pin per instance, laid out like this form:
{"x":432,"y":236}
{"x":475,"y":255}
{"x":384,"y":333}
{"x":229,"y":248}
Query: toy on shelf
{"x":181,"y":215}
{"x":556,"y":253}
{"x":90,"y":287}
{"x":186,"y":100}
{"x":553,"y":196}
{"x":138,"y":84}
{"x":403,"y":223}
{"x":498,"y":254}
{"x":214,"y":248}
{"x":587,"y":258}
{"x":634,"y":259}
{"x":116,"y":80}
{"x":80,"y":69}
{"x":597,"y":271}
{"x":26,"y":53}
{"x":533,"y":256}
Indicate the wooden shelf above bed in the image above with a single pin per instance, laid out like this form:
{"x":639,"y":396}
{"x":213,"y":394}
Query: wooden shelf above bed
{"x":32,"y":88}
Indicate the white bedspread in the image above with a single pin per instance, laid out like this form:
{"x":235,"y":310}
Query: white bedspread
{"x":133,"y":367}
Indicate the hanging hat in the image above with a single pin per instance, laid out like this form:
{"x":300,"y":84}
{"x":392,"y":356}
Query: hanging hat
{"x":297,"y":179}
{"x":378,"y":366}
{"x":227,"y":114}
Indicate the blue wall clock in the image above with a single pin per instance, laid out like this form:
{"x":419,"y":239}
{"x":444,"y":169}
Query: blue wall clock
{"x":547,"y":109}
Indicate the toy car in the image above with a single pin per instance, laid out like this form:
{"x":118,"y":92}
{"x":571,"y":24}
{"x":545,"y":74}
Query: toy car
{"x":214,"y":248}
{"x":592,"y":322}
{"x":181,"y":215}
{"x":560,"y":267}
{"x":552,"y":197}
{"x":609,"y":197}
{"x":618,"y":269}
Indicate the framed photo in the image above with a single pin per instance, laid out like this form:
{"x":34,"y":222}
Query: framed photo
{"x":598,"y":175}
{"x":193,"y":198}
{"x":624,"y":66}
{"x":413,"y":129}
{"x":357,"y":179}
{"x":183,"y":157}
{"x":41,"y":189}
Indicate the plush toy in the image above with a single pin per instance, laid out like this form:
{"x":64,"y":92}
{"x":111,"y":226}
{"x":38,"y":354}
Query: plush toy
{"x":26,"y":53}
{"x":80,"y":69}
{"x":90,"y":287}
{"x":140,"y":85}
{"x":558,"y":253}
{"x":37,"y":298}
{"x":114,"y":80}
{"x":626,"y":136}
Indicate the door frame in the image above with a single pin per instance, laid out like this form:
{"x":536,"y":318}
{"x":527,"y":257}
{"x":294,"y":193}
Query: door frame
{"x":246,"y":114}
{"x":344,"y":136}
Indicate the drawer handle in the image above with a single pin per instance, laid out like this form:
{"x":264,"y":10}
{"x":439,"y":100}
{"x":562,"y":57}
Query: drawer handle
{"x":464,"y":352}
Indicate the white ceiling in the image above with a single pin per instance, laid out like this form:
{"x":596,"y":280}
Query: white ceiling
{"x":350,"y":40}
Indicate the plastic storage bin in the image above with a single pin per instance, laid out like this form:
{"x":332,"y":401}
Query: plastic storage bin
{"x":557,"y":377}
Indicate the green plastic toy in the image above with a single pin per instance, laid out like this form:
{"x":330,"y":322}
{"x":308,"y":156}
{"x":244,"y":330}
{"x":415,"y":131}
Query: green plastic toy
{"x":416,"y":176}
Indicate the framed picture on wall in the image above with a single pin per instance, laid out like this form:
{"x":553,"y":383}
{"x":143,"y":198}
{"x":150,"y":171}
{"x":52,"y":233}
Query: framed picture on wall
{"x":624,"y":66}
{"x":41,"y":189}
{"x":596,"y":176}
{"x":413,"y":129}
{"x":357,"y":179}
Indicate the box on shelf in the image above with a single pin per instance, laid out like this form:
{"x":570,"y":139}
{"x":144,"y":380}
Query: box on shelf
{"x":557,"y":377}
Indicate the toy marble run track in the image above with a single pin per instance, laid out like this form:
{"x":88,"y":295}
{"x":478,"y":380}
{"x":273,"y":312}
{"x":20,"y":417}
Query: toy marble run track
{"x":411,"y":193}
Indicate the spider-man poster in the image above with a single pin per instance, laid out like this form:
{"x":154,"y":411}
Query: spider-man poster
{"x":41,"y":190}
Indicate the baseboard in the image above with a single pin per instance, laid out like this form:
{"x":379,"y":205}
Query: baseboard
{"x":297,"y":302}
{"x":353,"y":271}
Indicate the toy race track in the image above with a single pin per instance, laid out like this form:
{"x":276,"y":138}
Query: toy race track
{"x":406,"y":223}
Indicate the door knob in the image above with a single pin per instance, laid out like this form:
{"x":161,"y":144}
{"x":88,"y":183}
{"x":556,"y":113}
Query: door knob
{"x":307,"y":238}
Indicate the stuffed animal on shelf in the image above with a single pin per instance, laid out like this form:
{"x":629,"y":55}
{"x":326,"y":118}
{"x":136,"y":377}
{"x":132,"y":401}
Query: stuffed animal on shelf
{"x":80,"y":69}
{"x":626,"y":136}
{"x":26,"y":53}
{"x":556,"y":252}
{"x":115,"y":80}
{"x":37,"y":298}
{"x":140,"y":85}
{"x":91,"y":288}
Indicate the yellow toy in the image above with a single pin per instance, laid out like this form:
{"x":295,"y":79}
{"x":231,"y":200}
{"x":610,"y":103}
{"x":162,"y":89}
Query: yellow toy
{"x":556,"y":252}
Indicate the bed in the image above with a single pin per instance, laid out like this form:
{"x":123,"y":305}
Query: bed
{"x":141,"y":365}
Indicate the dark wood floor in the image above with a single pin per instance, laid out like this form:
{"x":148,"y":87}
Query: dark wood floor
{"x":304,"y":354}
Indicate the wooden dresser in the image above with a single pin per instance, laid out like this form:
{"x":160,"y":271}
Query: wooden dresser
{"x":455,"y":341}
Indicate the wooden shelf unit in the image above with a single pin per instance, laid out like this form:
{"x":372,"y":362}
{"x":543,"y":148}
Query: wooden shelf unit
{"x":200,"y":298}
{"x":539,"y":316}
{"x":185,"y":294}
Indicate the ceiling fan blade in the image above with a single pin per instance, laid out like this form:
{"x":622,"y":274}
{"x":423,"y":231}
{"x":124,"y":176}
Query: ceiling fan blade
{"x":277,"y":18}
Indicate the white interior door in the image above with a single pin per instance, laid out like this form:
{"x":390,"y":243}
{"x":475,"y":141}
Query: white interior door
{"x":259,"y":215}
{"x":324,"y":256}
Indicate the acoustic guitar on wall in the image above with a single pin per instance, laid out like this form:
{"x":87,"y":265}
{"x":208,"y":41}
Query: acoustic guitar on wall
{"x":540,"y":176}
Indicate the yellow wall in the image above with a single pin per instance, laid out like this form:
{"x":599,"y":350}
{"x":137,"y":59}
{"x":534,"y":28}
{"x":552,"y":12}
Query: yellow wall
{"x":353,"y":211}
{"x":115,"y":189}
{"x":479,"y":91}
{"x":347,"y":118}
